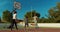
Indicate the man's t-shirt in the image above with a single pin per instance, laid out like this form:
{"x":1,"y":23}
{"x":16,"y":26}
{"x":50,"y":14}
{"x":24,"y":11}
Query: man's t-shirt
{"x":14,"y":16}
{"x":35,"y":18}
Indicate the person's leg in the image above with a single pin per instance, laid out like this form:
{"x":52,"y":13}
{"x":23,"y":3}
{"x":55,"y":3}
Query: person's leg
{"x":36,"y":24}
{"x":9,"y":27}
{"x":25,"y":24}
{"x":16,"y":25}
{"x":12,"y":24}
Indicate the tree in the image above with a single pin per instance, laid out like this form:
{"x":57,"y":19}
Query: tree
{"x":58,"y":6}
{"x":55,"y":13}
{"x":7,"y":16}
{"x":31,"y":14}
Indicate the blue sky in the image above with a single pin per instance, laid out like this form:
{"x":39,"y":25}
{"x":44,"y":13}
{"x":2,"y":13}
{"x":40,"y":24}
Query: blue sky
{"x":41,"y":6}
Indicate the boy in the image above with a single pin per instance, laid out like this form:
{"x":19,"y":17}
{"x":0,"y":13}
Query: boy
{"x":14,"y":20}
{"x":26,"y":22}
{"x":35,"y":20}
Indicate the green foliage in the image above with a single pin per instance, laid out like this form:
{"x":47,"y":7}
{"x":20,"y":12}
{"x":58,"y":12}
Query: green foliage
{"x":43,"y":20}
{"x":31,"y":14}
{"x":55,"y":14}
{"x":53,"y":17}
{"x":58,"y":5}
{"x":7,"y":16}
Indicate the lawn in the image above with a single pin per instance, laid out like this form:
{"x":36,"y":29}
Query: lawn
{"x":3,"y":26}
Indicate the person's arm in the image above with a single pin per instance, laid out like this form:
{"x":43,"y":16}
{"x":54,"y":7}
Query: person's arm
{"x":36,"y":18}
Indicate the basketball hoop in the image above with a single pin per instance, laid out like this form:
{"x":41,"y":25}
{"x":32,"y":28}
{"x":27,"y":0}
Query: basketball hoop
{"x":17,"y":5}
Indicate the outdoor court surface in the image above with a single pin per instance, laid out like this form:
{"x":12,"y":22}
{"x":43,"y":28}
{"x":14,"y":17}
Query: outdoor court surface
{"x":34,"y":30}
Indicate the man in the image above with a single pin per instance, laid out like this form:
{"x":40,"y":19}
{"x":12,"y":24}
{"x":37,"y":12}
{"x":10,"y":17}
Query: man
{"x":35,"y":18}
{"x":26,"y":22}
{"x":14,"y":20}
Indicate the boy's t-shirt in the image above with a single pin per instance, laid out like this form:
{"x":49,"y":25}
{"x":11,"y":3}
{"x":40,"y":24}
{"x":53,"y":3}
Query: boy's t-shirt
{"x":14,"y":16}
{"x":35,"y":18}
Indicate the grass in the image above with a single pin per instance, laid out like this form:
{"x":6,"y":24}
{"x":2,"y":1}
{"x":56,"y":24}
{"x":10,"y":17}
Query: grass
{"x":3,"y":26}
